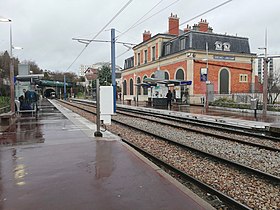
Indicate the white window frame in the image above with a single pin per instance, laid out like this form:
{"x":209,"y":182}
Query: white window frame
{"x":243,"y":78}
{"x":182,"y":43}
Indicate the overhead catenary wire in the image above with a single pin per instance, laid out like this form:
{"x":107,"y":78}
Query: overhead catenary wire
{"x":139,"y":19}
{"x":203,"y":13}
{"x":87,"y":44}
{"x":139,"y":23}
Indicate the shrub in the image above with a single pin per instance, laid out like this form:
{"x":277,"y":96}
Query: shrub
{"x":4,"y":101}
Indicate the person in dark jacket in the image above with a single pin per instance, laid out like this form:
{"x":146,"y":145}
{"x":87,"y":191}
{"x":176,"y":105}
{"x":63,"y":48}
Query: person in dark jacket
{"x":169,"y":98}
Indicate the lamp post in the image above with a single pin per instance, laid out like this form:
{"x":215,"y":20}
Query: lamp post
{"x":265,"y":76}
{"x":207,"y":81}
{"x":12,"y":87}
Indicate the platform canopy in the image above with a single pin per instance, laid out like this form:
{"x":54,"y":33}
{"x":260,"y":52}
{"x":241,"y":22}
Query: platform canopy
{"x":50,"y":83}
{"x":29,"y":77}
{"x":154,"y":82}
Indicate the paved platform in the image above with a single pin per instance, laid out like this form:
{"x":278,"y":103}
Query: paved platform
{"x":56,"y":163}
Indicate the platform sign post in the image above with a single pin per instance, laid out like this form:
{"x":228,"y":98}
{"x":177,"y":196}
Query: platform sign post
{"x":64,"y":85}
{"x":93,"y":74}
{"x":97,"y":133}
{"x":113,"y":66}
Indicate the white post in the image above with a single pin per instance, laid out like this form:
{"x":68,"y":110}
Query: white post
{"x":206,"y":83}
{"x":97,"y":133}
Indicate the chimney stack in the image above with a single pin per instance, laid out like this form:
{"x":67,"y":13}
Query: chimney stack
{"x":173,"y":25}
{"x":203,"y":26}
{"x":146,"y":35}
{"x":188,"y":28}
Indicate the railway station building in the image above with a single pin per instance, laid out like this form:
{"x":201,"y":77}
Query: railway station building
{"x":186,"y":60}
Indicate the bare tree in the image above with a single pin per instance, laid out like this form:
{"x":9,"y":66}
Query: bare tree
{"x":273,"y":87}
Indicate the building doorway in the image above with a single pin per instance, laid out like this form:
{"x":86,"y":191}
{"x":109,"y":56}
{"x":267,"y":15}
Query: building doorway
{"x":224,"y":81}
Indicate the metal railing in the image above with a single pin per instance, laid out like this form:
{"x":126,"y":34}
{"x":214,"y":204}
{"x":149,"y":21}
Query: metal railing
{"x":4,"y":109}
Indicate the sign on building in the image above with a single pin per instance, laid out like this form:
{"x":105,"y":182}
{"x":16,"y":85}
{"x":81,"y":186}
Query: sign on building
{"x":203,"y":74}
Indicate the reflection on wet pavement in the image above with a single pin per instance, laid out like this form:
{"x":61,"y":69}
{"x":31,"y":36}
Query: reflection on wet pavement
{"x":28,"y":129}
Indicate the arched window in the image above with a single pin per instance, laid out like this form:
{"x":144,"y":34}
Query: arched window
{"x":153,"y":76}
{"x":180,"y":74}
{"x":124,"y":88}
{"x":138,"y":87}
{"x":131,"y":86}
{"x":166,"y":75}
{"x":145,"y":89}
{"x":224,"y":81}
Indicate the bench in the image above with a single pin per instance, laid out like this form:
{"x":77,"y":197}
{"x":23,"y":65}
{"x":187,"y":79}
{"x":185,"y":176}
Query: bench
{"x":148,"y":103}
{"x":128,"y":101}
{"x":32,"y":111}
{"x":6,"y":118}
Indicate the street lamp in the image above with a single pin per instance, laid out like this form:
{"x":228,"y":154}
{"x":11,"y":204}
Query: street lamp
{"x":12,"y":87}
{"x":265,"y":79}
{"x":207,"y":81}
{"x":265,"y":82}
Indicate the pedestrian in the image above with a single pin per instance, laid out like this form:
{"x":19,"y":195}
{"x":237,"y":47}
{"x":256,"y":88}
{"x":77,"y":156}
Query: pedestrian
{"x":169,"y":99}
{"x":120,"y":96}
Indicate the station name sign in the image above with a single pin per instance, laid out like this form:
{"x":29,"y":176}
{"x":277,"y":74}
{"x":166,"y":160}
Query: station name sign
{"x":230,"y":58}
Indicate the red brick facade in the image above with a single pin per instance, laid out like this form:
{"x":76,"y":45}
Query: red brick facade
{"x":221,"y":59}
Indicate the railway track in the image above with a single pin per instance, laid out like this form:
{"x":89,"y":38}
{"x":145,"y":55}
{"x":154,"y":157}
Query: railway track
{"x":221,"y":126}
{"x":251,"y":139}
{"x":227,"y":169}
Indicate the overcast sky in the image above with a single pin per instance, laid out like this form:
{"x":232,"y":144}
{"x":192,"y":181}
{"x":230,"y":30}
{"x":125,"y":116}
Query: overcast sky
{"x":45,"y":28}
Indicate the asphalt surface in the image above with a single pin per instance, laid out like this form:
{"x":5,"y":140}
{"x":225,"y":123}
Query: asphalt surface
{"x":53,"y":162}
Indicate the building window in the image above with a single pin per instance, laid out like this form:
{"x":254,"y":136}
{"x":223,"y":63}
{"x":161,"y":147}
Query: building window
{"x":145,"y":56}
{"x":180,"y":75}
{"x":167,"y":49}
{"x":166,"y":75}
{"x":138,"y":59}
{"x":145,"y":88}
{"x":153,"y":53}
{"x":224,"y":81}
{"x":182,"y":43}
{"x":219,"y":45}
{"x":138,"y":87}
{"x":124,"y":87}
{"x":226,"y":46}
{"x":131,"y":87}
{"x":243,"y":77}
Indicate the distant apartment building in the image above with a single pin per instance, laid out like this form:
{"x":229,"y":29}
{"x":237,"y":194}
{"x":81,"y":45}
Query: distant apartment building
{"x":272,"y":69}
{"x":99,"y":65}
{"x":184,"y":55}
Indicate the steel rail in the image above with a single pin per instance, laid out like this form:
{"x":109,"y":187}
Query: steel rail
{"x":207,"y":133}
{"x":213,"y":125}
{"x":268,"y":176}
{"x":226,"y":199}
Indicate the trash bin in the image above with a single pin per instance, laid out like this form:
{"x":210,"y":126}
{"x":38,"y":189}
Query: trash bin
{"x":254,"y":103}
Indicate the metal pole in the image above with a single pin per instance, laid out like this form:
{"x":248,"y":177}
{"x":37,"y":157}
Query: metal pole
{"x":64,"y":87}
{"x":113,"y":66}
{"x":265,"y":76}
{"x":265,"y":83}
{"x":97,"y":133}
{"x":12,"y":87}
{"x":206,"y":83}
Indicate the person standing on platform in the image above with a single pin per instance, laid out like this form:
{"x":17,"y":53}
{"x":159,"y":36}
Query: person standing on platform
{"x":169,"y":99}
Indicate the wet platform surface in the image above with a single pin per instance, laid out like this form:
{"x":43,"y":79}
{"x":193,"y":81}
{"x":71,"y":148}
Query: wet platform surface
{"x":54,"y":162}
